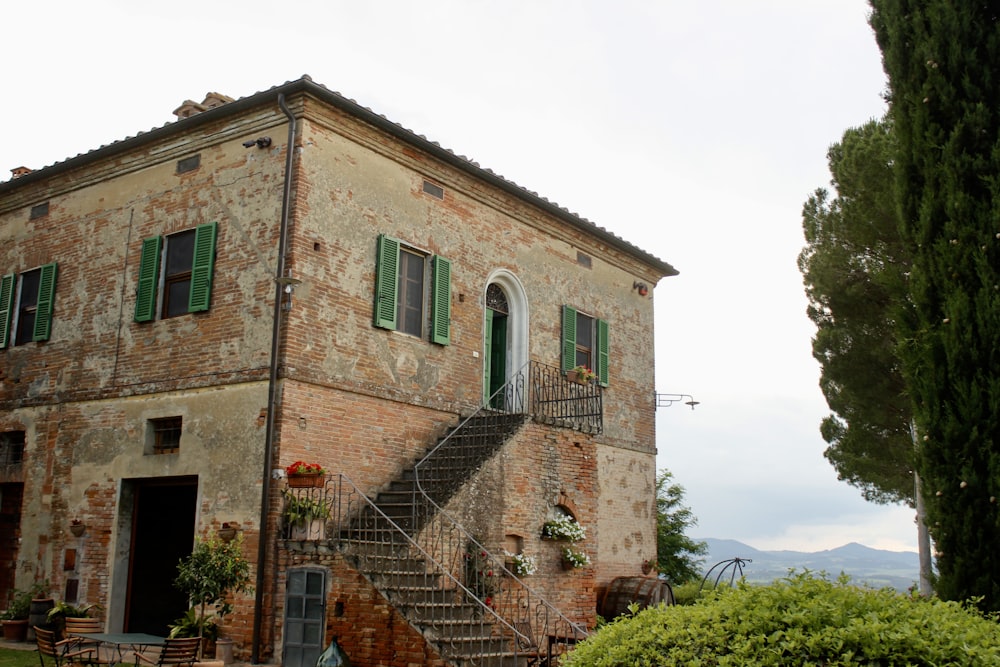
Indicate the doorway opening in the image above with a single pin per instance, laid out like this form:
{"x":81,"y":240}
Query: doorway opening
{"x":505,"y":344}
{"x":162,"y":533}
{"x":11,"y":499}
{"x":305,"y":617}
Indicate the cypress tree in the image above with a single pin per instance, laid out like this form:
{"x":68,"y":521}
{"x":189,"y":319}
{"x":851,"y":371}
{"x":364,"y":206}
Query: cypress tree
{"x":943,"y":62}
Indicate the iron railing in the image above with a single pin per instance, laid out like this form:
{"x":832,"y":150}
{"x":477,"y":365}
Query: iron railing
{"x":555,"y":400}
{"x":465,"y":599}
{"x":550,"y":398}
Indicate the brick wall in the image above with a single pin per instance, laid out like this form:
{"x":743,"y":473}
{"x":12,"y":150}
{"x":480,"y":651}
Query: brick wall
{"x":354,"y":397}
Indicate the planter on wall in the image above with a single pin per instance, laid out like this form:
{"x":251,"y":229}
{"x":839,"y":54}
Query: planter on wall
{"x":306,"y":481}
{"x":78,"y":529}
{"x":311,"y":530}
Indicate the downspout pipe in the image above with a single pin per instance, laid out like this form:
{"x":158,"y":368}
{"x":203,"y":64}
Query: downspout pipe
{"x":272,"y":385}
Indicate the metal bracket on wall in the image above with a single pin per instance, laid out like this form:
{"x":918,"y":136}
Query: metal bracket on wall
{"x":666,"y":400}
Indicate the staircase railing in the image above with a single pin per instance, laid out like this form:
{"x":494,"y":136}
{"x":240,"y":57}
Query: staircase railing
{"x":542,"y":392}
{"x":463,"y":597}
{"x":449,"y":601}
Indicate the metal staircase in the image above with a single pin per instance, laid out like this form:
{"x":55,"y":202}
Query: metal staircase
{"x":461,"y":597}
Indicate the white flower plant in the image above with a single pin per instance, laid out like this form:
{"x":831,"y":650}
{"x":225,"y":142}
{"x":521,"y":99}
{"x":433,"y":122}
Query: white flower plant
{"x":564,"y":528}
{"x":575,"y":558}
{"x":522,"y":564}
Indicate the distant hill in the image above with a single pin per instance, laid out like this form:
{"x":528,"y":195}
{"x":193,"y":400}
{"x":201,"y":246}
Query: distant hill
{"x":873,"y":567}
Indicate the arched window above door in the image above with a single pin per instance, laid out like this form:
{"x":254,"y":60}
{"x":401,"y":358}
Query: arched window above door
{"x":496,"y":299}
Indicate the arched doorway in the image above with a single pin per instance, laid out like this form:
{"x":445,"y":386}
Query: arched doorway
{"x":505,"y":342}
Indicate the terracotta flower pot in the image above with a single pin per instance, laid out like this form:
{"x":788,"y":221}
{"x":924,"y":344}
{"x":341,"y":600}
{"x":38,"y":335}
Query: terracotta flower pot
{"x":306,"y":480}
{"x":16,"y":630}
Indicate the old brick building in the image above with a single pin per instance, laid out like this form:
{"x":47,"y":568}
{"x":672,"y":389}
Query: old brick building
{"x":188,"y":311}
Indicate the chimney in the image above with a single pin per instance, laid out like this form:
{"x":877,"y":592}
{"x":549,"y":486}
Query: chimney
{"x":18,"y":172}
{"x":190,"y":107}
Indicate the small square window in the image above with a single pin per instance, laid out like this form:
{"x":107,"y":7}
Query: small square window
{"x":188,"y":164}
{"x":166,"y":434}
{"x":39,"y":211}
{"x":433,"y":190}
{"x":11,"y":448}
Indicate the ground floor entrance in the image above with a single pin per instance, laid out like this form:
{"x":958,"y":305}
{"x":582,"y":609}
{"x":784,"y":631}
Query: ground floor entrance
{"x":162,"y":532}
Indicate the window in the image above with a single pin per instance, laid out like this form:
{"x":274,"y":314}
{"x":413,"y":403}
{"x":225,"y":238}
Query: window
{"x":187,"y":261}
{"x":26,"y":305}
{"x":585,"y":343}
{"x":39,"y":211}
{"x":188,"y":164}
{"x":166,"y":434}
{"x":11,"y":448}
{"x":401,"y":295}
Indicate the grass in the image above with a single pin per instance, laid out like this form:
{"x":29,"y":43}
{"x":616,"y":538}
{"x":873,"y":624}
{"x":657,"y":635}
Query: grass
{"x":16,"y":658}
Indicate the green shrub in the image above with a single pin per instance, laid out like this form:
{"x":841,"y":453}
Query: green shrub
{"x":802,"y":620}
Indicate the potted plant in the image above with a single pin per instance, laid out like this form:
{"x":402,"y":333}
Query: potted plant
{"x":62,"y":610}
{"x":573,"y":558}
{"x":15,"y":618}
{"x":195,"y":624}
{"x":563,"y":528}
{"x":77,"y":527}
{"x":521,"y":564}
{"x":304,"y":475}
{"x":214,"y":570}
{"x":304,"y":516}
{"x":581,"y":375}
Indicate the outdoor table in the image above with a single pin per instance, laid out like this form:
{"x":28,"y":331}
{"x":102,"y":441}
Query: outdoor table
{"x":120,"y":642}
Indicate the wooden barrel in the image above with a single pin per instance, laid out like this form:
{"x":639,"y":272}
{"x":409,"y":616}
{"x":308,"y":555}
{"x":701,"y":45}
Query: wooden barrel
{"x":38,"y":614}
{"x":644,"y":591}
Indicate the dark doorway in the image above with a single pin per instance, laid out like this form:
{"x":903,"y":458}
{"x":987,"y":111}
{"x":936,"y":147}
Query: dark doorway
{"x":162,"y":534}
{"x":10,"y":533}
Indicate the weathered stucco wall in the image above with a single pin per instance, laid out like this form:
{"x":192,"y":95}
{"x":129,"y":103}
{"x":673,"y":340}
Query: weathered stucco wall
{"x":356,"y":398}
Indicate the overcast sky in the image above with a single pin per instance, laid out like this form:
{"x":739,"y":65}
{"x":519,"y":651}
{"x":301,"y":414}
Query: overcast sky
{"x":695,"y":130}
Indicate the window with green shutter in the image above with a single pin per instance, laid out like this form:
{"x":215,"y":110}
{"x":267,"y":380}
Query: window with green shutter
{"x":43,"y":305}
{"x":6,"y":307}
{"x":402,"y":300}
{"x":26,"y":305}
{"x":585,"y":343}
{"x":175,"y":273}
{"x":441,"y":302}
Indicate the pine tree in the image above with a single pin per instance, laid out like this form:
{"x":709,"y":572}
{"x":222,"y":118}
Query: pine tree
{"x":853,"y":266}
{"x":678,"y":556}
{"x":943,"y":62}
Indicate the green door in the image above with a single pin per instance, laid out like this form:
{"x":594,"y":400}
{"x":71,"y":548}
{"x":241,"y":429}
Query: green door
{"x":305,"y":617}
{"x":496,"y":353}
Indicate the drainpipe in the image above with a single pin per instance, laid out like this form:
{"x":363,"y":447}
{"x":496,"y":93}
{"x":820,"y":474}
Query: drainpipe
{"x":272,"y":383}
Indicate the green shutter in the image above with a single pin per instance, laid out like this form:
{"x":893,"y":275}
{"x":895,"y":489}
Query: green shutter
{"x":441,"y":301}
{"x":149,"y":274}
{"x":6,"y":306}
{"x":568,"y":338}
{"x":201,"y":267}
{"x":46,"y":296}
{"x":386,"y":275}
{"x":602,"y":352}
